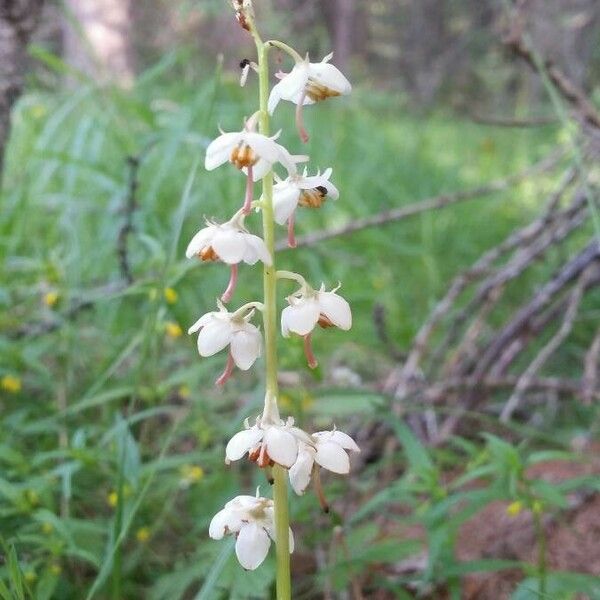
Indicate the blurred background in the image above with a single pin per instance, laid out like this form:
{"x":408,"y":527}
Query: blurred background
{"x":466,"y":237}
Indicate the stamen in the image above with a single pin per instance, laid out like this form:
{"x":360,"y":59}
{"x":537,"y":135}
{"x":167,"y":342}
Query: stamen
{"x":228,"y":293}
{"x":316,"y":478}
{"x":299,"y":119}
{"x":308,"y":352}
{"x":247,"y":207}
{"x":208,"y":254}
{"x":291,"y":233}
{"x":263,"y":458}
{"x":325,"y":321}
{"x":226,"y":374}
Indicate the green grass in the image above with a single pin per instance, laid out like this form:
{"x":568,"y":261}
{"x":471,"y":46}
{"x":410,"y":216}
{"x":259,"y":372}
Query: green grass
{"x":111,"y":408}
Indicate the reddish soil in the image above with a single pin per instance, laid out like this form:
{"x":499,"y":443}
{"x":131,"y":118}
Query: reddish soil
{"x":573,"y":535}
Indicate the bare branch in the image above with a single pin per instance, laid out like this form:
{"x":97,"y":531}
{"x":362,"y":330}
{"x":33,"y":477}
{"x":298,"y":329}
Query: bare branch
{"x":433,"y":203}
{"x":550,"y":348}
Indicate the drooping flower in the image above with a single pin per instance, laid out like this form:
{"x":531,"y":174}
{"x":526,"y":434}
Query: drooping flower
{"x":251,"y":519}
{"x":220,"y":329}
{"x":231,"y":243}
{"x":307,"y":308}
{"x":252,"y":152}
{"x":267,"y":443}
{"x":300,"y":190}
{"x":328,"y":450}
{"x":308,"y":83}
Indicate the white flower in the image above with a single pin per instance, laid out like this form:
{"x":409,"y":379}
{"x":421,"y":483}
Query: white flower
{"x":220,"y":329}
{"x":249,"y":150}
{"x":301,"y":189}
{"x":311,"y":307}
{"x":308,"y":83}
{"x":267,"y":442}
{"x":252,"y":519}
{"x":307,"y":308}
{"x":231,"y":243}
{"x":328,"y":450}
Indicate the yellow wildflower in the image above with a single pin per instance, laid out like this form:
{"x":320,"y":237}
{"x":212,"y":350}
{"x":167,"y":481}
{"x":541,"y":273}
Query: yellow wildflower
{"x":55,"y":569}
{"x":537,"y":507}
{"x":190,"y":474}
{"x":112,"y":499}
{"x":184,"y":392}
{"x":11,"y":384}
{"x":142,"y":534}
{"x":171,"y":295}
{"x":51,"y":298}
{"x":30,"y":576}
{"x":173,"y":330}
{"x":514,"y":508}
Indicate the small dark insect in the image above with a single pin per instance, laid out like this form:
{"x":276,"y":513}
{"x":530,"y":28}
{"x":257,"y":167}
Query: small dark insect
{"x":244,"y":63}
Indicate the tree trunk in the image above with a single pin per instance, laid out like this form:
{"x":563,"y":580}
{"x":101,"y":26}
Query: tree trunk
{"x":97,"y":40}
{"x":18,"y":19}
{"x":343,"y":30}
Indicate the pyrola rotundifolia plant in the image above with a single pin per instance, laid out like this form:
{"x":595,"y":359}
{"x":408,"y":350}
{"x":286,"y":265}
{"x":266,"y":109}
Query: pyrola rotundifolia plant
{"x":273,"y":443}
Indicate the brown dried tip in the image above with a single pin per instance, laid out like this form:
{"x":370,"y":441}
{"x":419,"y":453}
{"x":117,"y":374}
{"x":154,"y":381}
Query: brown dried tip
{"x":241,"y":19}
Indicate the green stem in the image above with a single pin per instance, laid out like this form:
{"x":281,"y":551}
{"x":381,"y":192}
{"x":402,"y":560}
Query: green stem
{"x":288,"y":49}
{"x":541,"y":540}
{"x":271,"y":411}
{"x":282,"y":543}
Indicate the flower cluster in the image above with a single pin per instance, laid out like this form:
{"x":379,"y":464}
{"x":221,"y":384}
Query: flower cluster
{"x":274,"y":444}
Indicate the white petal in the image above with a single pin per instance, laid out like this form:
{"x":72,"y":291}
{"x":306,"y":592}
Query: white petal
{"x":294,"y":82}
{"x":201,"y":322}
{"x":214,"y":337}
{"x":285,"y":201}
{"x":252,"y":545}
{"x":300,"y":318}
{"x":336,"y":309}
{"x":242,"y":442}
{"x":289,"y":160}
{"x":225,"y":518}
{"x":229,"y":245}
{"x":265,"y":147}
{"x":219,"y":150}
{"x":260,"y":169}
{"x":274,"y":98}
{"x":270,"y":528}
{"x":282,"y":446}
{"x":332,"y":457}
{"x":338,"y":437}
{"x":329,"y":76}
{"x":244,"y":503}
{"x":300,"y":471}
{"x":246,"y":346}
{"x":256,"y":249}
{"x":200,"y":240}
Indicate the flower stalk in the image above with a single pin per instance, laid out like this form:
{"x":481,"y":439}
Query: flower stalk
{"x":271,"y":411}
{"x":279,"y":447}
